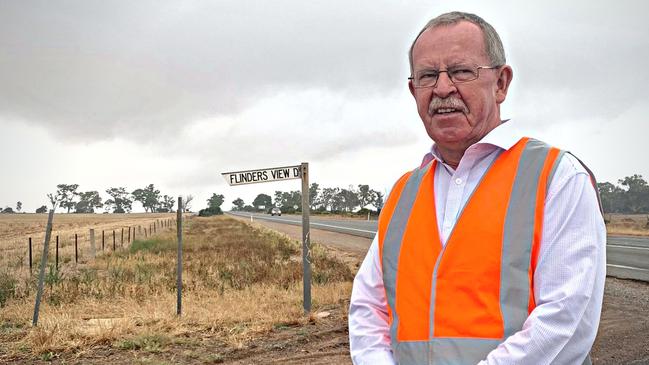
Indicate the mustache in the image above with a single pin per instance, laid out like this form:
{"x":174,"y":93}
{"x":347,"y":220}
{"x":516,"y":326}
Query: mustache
{"x":447,"y":103}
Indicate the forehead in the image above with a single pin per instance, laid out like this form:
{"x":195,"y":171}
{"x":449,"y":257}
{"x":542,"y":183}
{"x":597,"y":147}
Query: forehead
{"x":459,"y":42}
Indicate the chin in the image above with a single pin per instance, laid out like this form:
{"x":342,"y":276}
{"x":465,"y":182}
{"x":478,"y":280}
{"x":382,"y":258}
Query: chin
{"x":445,"y":137}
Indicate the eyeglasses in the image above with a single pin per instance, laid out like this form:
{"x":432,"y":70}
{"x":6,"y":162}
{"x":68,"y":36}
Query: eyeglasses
{"x":458,"y":74}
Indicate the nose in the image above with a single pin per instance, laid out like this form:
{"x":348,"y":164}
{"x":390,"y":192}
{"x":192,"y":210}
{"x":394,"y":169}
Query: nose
{"x":444,"y":86}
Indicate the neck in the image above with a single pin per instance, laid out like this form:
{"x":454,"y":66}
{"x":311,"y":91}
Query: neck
{"x":451,"y":157}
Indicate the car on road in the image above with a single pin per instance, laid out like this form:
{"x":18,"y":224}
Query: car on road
{"x":276,"y":211}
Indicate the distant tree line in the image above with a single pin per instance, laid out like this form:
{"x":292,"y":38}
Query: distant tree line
{"x":68,"y":197}
{"x":629,"y":196}
{"x":7,"y":209}
{"x":334,"y":200}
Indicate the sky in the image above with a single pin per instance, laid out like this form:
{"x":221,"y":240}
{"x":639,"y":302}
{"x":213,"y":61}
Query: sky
{"x":121,"y":93}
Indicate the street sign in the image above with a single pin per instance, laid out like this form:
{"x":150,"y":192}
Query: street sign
{"x":262,"y":175}
{"x":285,"y":173}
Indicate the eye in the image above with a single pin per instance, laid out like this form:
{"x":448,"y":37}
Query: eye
{"x":462,"y":72}
{"x":427,"y":75}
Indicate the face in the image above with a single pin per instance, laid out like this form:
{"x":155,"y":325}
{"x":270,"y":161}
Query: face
{"x":475,"y":104}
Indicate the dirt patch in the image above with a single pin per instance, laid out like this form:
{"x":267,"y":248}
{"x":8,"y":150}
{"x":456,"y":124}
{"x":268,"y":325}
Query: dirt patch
{"x":622,"y":336}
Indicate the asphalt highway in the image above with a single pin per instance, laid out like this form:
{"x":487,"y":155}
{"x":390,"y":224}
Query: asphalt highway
{"x":627,"y":257}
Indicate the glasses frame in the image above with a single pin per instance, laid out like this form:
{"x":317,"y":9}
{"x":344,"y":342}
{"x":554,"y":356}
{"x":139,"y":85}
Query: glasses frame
{"x":478,"y":68}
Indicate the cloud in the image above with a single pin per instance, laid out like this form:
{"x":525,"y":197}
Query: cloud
{"x":98,"y":70}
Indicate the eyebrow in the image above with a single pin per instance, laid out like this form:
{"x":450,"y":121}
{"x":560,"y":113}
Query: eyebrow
{"x":451,"y":65}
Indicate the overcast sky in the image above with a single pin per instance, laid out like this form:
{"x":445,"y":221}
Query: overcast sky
{"x":128,"y":93}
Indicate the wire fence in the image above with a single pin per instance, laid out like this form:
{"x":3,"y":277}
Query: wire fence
{"x":71,"y":246}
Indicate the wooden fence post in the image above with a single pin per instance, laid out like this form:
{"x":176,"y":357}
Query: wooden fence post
{"x":93,"y":247}
{"x":179,"y":270}
{"x":30,"y":255}
{"x":41,"y":274}
{"x":57,"y":252}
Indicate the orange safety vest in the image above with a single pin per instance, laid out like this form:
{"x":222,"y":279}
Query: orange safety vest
{"x":453,"y":304}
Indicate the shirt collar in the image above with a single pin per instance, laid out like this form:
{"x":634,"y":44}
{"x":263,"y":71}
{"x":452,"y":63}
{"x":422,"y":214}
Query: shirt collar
{"x":504,"y":136}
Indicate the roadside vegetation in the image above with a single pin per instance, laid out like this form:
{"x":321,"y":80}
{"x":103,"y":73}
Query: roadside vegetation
{"x":627,"y":224}
{"x":239,"y":282}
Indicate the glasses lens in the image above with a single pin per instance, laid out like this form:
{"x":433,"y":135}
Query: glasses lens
{"x":462,"y":73}
{"x":426,"y":78}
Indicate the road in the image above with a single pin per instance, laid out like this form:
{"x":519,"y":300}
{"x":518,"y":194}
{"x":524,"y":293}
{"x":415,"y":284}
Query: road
{"x":627,"y":257}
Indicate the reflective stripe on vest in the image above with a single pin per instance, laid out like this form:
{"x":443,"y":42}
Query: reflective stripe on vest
{"x":453,"y":304}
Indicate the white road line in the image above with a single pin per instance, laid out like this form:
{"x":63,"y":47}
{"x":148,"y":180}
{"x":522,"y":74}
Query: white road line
{"x":627,"y":267}
{"x":631,"y":247}
{"x":351,"y":229}
{"x":366,"y":231}
{"x":313,"y":224}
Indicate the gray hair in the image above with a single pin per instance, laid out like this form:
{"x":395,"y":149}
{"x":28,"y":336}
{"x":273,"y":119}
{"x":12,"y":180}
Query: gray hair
{"x":493,"y":44}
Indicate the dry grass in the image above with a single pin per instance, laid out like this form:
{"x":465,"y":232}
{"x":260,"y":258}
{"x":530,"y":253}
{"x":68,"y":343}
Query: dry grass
{"x":238,"y":282}
{"x":627,"y":224}
{"x":16,"y":229}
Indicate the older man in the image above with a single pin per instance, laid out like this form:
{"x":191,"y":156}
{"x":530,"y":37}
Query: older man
{"x":493,"y":250}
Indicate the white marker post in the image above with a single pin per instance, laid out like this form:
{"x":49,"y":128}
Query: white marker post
{"x":277,"y":174}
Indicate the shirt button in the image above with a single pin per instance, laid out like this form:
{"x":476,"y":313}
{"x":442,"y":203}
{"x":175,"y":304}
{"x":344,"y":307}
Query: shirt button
{"x":458,"y":181}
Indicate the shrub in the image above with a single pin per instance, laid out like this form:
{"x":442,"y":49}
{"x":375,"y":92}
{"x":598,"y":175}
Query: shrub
{"x":208,"y":212}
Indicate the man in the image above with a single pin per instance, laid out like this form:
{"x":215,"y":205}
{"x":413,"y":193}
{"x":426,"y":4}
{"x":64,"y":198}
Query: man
{"x":493,"y":250}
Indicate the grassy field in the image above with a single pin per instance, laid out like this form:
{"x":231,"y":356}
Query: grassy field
{"x":627,"y":224}
{"x":16,"y":229}
{"x":238,"y":283}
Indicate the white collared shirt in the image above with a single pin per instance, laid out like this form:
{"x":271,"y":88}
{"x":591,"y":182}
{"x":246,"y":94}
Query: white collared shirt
{"x":568,"y":281}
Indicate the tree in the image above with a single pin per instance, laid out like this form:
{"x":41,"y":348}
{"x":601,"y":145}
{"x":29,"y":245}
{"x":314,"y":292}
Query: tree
{"x":314,"y":189}
{"x":288,"y":200}
{"x":326,"y":199}
{"x":262,"y":200}
{"x":612,"y":197}
{"x":88,"y":201}
{"x":42,"y":209}
{"x":187,"y":203}
{"x":350,"y":199}
{"x":365,"y":196}
{"x":7,"y":210}
{"x":167,"y":204}
{"x":65,"y":194}
{"x":278,"y":199}
{"x":120,"y":202}
{"x":19,"y":206}
{"x":215,"y":201}
{"x":53,"y":199}
{"x":149,"y":197}
{"x":636,"y":195}
{"x":238,"y":204}
{"x":213,"y":206}
{"x":378,"y":200}
{"x":337,"y":200}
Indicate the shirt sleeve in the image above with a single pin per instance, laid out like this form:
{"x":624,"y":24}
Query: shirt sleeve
{"x":369,"y":332}
{"x":569,"y":277}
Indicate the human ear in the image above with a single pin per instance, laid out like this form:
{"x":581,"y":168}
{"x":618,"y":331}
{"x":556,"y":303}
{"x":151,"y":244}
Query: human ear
{"x":502,"y":84}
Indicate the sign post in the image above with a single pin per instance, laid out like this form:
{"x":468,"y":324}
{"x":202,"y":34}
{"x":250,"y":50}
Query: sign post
{"x":277,"y":174}
{"x":306,"y":240}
